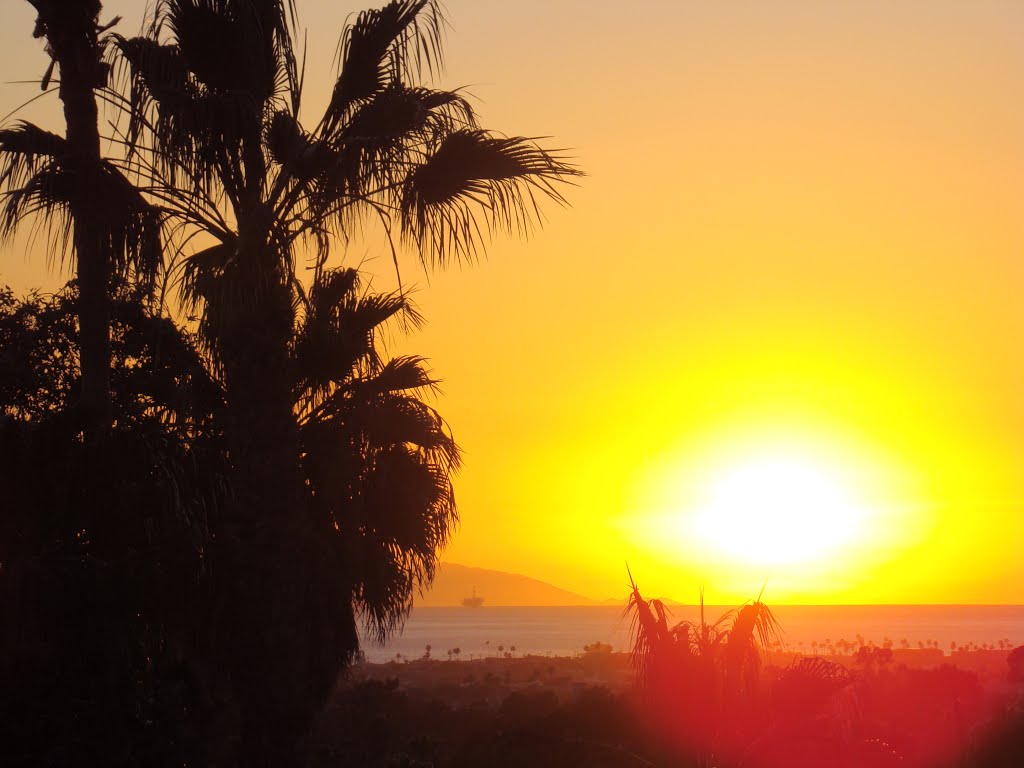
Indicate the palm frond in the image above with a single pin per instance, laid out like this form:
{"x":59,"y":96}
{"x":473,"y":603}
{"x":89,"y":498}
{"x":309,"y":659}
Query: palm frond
{"x":406,"y":505}
{"x":40,"y":178}
{"x":24,"y":149}
{"x":398,"y":111}
{"x":420,"y":427}
{"x":648,"y":627}
{"x":46,"y":193}
{"x":401,"y":374}
{"x":383,"y":593}
{"x":229,"y":46}
{"x":473,"y":172}
{"x":335,"y":290}
{"x":35,"y":180}
{"x":199,"y":134}
{"x":754,"y":625}
{"x":391,"y":132}
{"x":336,"y":344}
{"x":158,"y":75}
{"x":392,"y":511}
{"x":380,"y":47}
{"x":401,"y":421}
{"x":298,"y":152}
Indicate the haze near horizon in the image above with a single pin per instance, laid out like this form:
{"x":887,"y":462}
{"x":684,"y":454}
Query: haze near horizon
{"x":777,"y":335}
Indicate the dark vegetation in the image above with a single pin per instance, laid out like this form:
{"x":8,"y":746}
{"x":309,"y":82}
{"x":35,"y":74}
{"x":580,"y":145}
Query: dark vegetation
{"x":704,"y":684}
{"x":210,"y":470}
{"x":912,"y":709}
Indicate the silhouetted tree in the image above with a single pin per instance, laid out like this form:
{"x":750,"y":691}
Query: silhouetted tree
{"x":104,"y":557}
{"x":339,"y":474}
{"x":79,"y":194}
{"x":215,"y":96}
{"x":699,"y":678}
{"x":377,"y":460}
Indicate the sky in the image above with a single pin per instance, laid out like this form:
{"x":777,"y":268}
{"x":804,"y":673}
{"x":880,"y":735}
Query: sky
{"x":777,"y":337}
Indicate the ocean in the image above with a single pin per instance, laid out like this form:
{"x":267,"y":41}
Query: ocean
{"x":563,"y":631}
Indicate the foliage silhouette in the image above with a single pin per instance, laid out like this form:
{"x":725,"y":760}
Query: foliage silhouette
{"x":377,"y":461}
{"x":83,"y":199}
{"x":700,"y":679}
{"x":104,"y":550}
{"x":296,"y":478}
{"x":214,"y":133}
{"x":815,"y":711}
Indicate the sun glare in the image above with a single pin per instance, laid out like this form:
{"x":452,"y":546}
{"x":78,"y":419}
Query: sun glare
{"x":808,"y":508}
{"x":777,"y":510}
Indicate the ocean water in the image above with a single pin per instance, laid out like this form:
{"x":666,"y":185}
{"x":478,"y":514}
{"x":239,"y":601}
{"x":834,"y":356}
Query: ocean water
{"x":563,"y":631}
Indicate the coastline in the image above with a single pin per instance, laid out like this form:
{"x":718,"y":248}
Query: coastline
{"x":811,"y":630}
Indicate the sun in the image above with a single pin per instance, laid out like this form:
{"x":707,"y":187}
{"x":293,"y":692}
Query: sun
{"x":777,"y":509}
{"x":811,"y":508}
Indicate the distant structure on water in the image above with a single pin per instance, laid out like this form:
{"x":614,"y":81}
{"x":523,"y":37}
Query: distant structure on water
{"x":472,"y":601}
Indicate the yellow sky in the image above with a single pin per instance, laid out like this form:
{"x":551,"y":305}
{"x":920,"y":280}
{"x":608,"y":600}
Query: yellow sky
{"x":802,"y":233}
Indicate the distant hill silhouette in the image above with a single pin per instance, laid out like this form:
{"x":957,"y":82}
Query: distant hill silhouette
{"x":454,"y":582}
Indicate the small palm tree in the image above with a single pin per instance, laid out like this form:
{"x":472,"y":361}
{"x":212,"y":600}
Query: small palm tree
{"x":699,"y":673}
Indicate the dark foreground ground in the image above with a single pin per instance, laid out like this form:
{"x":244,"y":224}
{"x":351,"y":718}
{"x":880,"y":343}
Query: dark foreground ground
{"x":919,"y":709}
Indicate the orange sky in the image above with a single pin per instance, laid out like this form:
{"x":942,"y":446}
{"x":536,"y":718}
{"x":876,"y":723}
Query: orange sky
{"x":801,"y":234}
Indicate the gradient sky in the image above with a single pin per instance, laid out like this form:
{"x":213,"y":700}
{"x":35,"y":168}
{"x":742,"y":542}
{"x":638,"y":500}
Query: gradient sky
{"x":801,"y":235}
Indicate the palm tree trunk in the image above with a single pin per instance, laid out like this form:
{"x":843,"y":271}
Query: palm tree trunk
{"x":71,"y":29}
{"x":267,"y":554}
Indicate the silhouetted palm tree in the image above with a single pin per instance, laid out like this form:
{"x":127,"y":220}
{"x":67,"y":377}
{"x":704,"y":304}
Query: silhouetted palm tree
{"x":377,"y":460}
{"x":82,"y":196}
{"x":215,"y":95}
{"x":699,"y":674}
{"x":215,"y":99}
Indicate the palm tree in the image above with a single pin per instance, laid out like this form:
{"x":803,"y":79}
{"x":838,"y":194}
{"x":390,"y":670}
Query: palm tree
{"x":67,"y":181}
{"x":214,"y":132}
{"x":700,"y":675}
{"x":215,"y":99}
{"x":377,"y":460}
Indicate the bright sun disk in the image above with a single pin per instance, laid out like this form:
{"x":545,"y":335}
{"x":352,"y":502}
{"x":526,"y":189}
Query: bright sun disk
{"x":778,"y":510}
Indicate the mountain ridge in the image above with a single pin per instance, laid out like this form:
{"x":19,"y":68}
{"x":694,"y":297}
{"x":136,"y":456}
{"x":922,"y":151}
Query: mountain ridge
{"x":454,"y":582}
